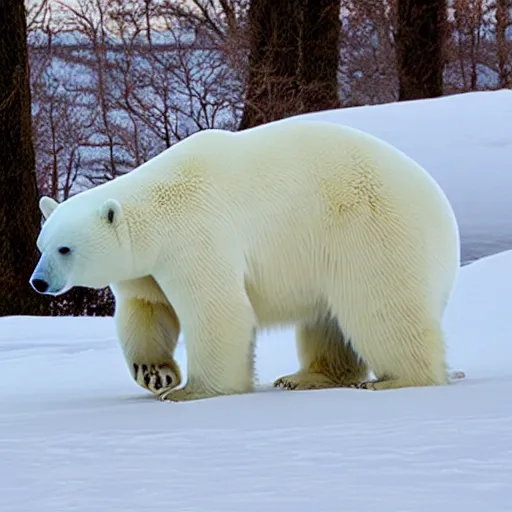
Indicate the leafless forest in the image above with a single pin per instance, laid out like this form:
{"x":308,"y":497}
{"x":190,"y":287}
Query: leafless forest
{"x":114,"y":82}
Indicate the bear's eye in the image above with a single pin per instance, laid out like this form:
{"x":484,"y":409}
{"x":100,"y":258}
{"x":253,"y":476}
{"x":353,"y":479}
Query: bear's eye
{"x":64,"y":250}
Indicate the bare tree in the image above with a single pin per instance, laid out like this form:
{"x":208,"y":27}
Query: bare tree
{"x":89,"y":19}
{"x":272,"y":88}
{"x":19,"y":213}
{"x":470,"y":20}
{"x":503,"y":22}
{"x":320,"y":55}
{"x":419,"y":46}
{"x":293,"y":60}
{"x":368,"y":72}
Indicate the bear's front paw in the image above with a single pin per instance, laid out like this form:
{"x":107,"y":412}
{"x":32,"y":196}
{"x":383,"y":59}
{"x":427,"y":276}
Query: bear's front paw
{"x":181,"y":395}
{"x":155,"y":377}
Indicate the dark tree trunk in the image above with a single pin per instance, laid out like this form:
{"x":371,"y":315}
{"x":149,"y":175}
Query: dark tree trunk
{"x":293,"y":60}
{"x":419,"y":43}
{"x":502,"y":23}
{"x":19,"y":212}
{"x":320,"y":55}
{"x":272,"y":85}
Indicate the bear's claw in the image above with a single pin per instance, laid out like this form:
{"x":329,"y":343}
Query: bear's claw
{"x":154,"y":377}
{"x":364,"y":385}
{"x":284,"y":383}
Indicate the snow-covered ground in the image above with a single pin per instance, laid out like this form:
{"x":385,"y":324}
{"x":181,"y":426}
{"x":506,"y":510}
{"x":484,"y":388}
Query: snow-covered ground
{"x":77,"y":435}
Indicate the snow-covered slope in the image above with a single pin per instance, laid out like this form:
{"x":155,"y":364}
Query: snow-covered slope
{"x":465,"y":142}
{"x":77,"y":435}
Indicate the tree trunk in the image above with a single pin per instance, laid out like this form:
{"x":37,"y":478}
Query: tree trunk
{"x":419,"y":43}
{"x":19,"y":212}
{"x":272,"y":84}
{"x":502,"y":22}
{"x":293,"y":60}
{"x":320,"y":55}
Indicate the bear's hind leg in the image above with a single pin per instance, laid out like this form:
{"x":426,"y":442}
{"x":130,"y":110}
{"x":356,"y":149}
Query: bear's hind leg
{"x":402,"y":354}
{"x":327,"y":360}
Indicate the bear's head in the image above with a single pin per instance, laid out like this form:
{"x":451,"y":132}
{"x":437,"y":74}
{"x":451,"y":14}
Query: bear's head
{"x":83,"y":242}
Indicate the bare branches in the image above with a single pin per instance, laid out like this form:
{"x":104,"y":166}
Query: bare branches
{"x":38,"y":13}
{"x":134,"y":78}
{"x":115,"y":82}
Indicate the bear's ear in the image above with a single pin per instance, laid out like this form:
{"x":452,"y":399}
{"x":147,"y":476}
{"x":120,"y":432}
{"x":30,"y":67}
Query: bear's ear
{"x":47,"y":205}
{"x":111,"y":211}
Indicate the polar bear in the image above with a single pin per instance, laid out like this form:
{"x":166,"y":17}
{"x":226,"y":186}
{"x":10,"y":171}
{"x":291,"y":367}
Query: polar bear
{"x":299,"y":222}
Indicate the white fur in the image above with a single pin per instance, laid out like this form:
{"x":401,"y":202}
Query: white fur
{"x":294,"y":222}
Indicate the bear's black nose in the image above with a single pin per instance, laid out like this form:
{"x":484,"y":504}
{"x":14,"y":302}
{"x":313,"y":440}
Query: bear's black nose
{"x":40,"y":285}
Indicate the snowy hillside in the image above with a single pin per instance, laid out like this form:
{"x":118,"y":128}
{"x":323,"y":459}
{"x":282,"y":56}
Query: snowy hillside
{"x":77,"y":435}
